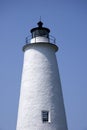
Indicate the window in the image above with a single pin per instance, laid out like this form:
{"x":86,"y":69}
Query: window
{"x":45,"y":116}
{"x":39,"y":32}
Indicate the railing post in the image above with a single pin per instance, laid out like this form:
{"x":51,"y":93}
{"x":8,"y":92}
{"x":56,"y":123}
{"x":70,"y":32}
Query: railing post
{"x":54,"y":40}
{"x":26,"y":40}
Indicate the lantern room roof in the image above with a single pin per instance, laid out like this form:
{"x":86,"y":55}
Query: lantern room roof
{"x":40,"y":24}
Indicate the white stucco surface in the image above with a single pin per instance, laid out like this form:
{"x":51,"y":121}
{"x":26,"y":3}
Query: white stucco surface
{"x":39,"y":39}
{"x":40,"y":90}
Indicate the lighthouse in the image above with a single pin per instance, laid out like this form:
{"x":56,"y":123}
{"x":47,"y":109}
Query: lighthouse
{"x":41,"y":105}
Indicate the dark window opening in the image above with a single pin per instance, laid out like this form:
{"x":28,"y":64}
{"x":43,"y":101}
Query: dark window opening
{"x":45,"y":116}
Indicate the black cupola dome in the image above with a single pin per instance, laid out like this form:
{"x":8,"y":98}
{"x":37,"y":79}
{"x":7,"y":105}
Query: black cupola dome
{"x":40,"y":31}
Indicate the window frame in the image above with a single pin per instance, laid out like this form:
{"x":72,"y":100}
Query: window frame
{"x":45,"y":116}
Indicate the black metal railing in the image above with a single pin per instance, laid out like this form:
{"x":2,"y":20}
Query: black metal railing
{"x":51,"y":39}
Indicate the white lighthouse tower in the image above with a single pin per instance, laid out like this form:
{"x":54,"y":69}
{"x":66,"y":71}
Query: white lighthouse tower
{"x":41,"y":105}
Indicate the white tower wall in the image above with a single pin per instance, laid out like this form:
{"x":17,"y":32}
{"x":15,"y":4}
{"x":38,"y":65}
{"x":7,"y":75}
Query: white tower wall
{"x":40,"y":90}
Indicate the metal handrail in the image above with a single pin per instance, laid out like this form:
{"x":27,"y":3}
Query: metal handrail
{"x":51,"y":39}
{"x":27,"y":39}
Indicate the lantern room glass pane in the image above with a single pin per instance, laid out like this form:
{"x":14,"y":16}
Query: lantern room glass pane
{"x":40,"y":32}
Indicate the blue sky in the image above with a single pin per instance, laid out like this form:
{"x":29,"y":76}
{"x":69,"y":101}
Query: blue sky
{"x":67,"y":21}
